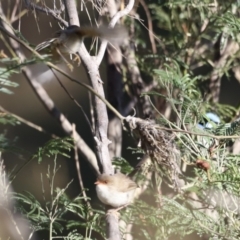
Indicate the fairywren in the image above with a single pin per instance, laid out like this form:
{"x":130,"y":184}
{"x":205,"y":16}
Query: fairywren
{"x":115,"y":190}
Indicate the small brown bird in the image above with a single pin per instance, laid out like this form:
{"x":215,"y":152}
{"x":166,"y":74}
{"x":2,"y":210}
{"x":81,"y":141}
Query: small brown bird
{"x":115,"y":190}
{"x":68,"y":41}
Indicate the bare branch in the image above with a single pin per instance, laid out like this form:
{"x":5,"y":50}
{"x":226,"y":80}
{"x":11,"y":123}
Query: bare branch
{"x":92,"y":64}
{"x":71,"y":10}
{"x":101,"y":115}
{"x":28,"y":123}
{"x":79,"y":170}
{"x":113,"y":227}
{"x":101,"y":111}
{"x":112,"y":23}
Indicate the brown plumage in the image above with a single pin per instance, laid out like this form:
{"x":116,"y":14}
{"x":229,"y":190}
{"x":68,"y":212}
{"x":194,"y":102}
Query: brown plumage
{"x":68,"y":40}
{"x":118,"y":181}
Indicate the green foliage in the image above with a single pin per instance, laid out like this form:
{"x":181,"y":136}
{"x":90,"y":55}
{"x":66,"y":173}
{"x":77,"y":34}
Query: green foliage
{"x":7,"y":145}
{"x":181,"y":89}
{"x":52,"y":214}
{"x":12,"y":66}
{"x":163,"y":222}
{"x":5,"y":83}
{"x":209,"y":204}
{"x":61,"y":146}
{"x":122,"y":164}
{"x":8,"y":119}
{"x":225,"y":111}
{"x":228,"y":129}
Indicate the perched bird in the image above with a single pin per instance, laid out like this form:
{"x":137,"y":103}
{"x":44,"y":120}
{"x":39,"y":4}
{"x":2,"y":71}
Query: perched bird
{"x":209,"y":121}
{"x":68,"y":41}
{"x":115,"y":190}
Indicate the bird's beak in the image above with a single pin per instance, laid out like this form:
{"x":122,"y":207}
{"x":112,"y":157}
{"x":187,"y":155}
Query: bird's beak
{"x":97,"y":182}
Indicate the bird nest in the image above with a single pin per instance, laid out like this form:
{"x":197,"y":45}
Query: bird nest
{"x":159,"y":145}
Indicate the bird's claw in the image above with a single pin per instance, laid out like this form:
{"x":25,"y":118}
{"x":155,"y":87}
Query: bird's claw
{"x":70,"y":66}
{"x":115,"y":211}
{"x":78,"y":59}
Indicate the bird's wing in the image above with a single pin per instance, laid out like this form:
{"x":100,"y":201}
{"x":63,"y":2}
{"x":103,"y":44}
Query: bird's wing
{"x":132,"y":185}
{"x":45,"y":44}
{"x":127,"y":185}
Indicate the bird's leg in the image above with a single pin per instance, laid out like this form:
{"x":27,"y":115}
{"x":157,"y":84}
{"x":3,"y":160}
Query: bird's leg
{"x":115,"y":210}
{"x":65,"y":60}
{"x":77,"y":58}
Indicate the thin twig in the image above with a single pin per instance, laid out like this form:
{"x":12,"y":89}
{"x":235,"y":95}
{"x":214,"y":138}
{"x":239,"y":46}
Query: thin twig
{"x":92,"y":112}
{"x":17,"y":3}
{"x":199,"y":134}
{"x":150,"y":26}
{"x":74,"y":100}
{"x":28,"y":123}
{"x":77,"y":162}
{"x":54,"y":13}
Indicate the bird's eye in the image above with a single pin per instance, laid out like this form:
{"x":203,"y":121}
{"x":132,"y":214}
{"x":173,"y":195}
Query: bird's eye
{"x":105,"y":182}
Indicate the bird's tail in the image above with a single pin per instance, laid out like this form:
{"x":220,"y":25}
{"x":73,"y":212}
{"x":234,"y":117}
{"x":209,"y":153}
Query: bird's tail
{"x":113,"y":35}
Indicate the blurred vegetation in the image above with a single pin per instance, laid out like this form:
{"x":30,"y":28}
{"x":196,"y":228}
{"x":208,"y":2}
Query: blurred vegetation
{"x":197,"y":45}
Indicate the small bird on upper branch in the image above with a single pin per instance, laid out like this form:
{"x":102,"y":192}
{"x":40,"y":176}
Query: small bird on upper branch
{"x":68,"y":41}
